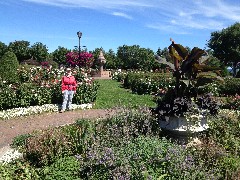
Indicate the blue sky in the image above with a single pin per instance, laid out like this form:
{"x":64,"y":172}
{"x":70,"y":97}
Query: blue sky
{"x":113,"y":23}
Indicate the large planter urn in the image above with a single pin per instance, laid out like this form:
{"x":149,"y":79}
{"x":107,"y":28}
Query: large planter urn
{"x":181,"y":128}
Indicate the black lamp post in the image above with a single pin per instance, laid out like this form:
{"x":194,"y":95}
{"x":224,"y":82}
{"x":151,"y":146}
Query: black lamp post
{"x":79,"y":47}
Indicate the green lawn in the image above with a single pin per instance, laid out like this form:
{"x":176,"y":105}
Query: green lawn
{"x":111,"y":94}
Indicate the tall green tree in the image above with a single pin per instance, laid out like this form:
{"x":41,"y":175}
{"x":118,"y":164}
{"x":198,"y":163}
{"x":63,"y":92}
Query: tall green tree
{"x":226,"y":45}
{"x":3,"y":48}
{"x":8,"y":67}
{"x":111,"y":60}
{"x":21,"y":49}
{"x":135,"y":57}
{"x":146,"y":59}
{"x":59,"y":55}
{"x":39,"y":52}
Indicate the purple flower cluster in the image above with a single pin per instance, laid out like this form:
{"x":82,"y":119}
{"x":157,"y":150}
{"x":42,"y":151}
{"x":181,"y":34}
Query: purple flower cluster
{"x":107,"y":158}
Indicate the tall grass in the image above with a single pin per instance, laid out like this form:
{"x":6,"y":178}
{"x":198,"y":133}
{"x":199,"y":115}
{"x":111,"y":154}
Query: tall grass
{"x":111,"y":94}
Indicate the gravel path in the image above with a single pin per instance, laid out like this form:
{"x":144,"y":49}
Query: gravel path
{"x":14,"y":127}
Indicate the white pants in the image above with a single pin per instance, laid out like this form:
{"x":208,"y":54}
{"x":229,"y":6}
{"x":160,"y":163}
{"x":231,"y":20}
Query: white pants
{"x":67,"y":99}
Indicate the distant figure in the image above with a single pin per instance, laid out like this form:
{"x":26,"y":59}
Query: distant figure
{"x":69,"y":86}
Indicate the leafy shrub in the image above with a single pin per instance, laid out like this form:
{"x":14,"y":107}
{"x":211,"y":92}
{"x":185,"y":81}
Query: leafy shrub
{"x":24,"y":95}
{"x":19,"y":169}
{"x":8,"y":68}
{"x":212,"y":88}
{"x":231,"y":86}
{"x":127,"y":124}
{"x":230,"y":165}
{"x":80,"y":135}
{"x":147,"y":83}
{"x":222,"y":146}
{"x":23,"y":74}
{"x":232,"y":102}
{"x":119,"y":75}
{"x":145,"y":86}
{"x":45,"y":147}
{"x":42,"y":95}
{"x":20,"y":141}
{"x":28,"y":94}
{"x":225,"y":130}
{"x":86,"y":92}
{"x":7,"y":95}
{"x":63,"y":168}
{"x":56,"y":92}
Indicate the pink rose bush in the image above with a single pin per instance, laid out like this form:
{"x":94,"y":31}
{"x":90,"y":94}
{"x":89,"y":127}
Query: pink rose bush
{"x":85,"y":60}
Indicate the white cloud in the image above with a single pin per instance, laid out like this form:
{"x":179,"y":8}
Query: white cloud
{"x":122,"y":15}
{"x":167,"y":28}
{"x":217,"y":8}
{"x":182,"y":15}
{"x":187,"y":16}
{"x":94,"y":4}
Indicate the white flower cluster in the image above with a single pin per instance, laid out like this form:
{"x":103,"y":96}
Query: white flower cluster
{"x":8,"y":154}
{"x":17,"y":112}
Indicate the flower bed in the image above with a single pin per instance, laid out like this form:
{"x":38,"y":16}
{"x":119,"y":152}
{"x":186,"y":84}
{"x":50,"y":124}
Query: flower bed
{"x":18,"y":112}
{"x":40,"y":85}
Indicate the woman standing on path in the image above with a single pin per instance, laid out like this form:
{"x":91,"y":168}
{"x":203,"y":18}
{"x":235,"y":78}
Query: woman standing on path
{"x":69,"y":86}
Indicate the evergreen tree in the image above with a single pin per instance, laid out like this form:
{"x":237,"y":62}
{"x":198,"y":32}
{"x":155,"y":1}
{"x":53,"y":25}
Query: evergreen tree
{"x":8,"y":67}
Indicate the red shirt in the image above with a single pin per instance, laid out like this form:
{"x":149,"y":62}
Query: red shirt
{"x":69,"y":83}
